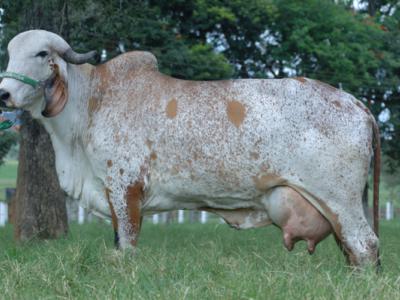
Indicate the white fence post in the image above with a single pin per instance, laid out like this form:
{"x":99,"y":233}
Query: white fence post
{"x":389,"y":210}
{"x":156,"y":219}
{"x":164,"y":217}
{"x":81,"y":215}
{"x":203,"y":217}
{"x":181,"y":216}
{"x":3,"y":213}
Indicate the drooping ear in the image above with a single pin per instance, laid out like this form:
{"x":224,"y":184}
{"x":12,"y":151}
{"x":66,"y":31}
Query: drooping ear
{"x":55,"y":93}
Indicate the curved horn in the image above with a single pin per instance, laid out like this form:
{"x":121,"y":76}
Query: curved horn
{"x":71,"y":56}
{"x":66,"y":52}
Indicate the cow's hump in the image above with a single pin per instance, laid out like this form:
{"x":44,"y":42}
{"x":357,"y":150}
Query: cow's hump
{"x":134,"y":60}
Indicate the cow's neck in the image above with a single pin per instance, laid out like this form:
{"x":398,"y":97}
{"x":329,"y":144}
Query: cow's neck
{"x":69,"y":124}
{"x":67,"y":131}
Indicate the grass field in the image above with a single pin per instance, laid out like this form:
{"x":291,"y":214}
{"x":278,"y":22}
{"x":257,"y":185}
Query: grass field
{"x":8,"y":176}
{"x":190,"y":262}
{"x":8,"y":173}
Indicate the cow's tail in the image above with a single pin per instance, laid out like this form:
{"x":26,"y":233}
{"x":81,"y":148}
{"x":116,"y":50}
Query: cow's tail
{"x":377,"y":171}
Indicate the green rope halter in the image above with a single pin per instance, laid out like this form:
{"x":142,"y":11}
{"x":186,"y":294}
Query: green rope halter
{"x":25,"y":79}
{"x":6,"y":124}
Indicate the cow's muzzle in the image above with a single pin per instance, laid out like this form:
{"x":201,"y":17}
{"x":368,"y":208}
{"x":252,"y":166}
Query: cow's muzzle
{"x":4,"y":96}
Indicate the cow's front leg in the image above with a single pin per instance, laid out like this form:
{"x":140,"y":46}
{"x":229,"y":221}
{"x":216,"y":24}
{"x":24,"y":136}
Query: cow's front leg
{"x":126,"y":203}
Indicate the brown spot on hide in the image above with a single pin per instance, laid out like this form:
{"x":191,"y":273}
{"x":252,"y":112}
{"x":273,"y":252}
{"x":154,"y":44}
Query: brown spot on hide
{"x":134,"y":194}
{"x":108,"y":179}
{"x":172,"y":109}
{"x":149,"y":143}
{"x":267,"y":181}
{"x":254,"y":155}
{"x":109,"y":163}
{"x":121,"y":172}
{"x":337,"y":104}
{"x":236,"y":112}
{"x":301,"y":79}
{"x":153,"y":156}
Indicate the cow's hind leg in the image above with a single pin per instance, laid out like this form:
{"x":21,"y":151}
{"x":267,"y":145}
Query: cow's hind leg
{"x":358,"y":240}
{"x":354,"y":234}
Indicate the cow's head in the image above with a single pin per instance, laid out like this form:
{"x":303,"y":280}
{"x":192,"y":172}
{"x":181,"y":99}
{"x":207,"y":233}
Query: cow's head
{"x":40,"y":59}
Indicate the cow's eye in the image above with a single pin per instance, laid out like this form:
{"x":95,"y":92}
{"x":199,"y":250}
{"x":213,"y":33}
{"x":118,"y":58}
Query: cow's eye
{"x":42,"y":54}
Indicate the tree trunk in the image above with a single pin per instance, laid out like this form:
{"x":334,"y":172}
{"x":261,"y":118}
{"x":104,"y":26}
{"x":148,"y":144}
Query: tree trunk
{"x":372,"y":6}
{"x":40,"y":209}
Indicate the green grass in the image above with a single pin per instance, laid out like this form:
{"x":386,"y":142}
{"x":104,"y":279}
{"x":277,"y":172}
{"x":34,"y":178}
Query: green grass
{"x":8,"y":173}
{"x":190,"y":262}
{"x":8,"y":176}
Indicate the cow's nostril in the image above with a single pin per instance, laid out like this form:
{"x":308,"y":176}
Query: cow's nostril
{"x":4,"y":95}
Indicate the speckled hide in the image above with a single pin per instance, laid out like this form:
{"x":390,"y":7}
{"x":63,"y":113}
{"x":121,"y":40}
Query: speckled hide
{"x":222,"y":145}
{"x":152,"y":143}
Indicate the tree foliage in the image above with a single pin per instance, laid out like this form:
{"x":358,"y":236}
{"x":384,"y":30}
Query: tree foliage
{"x":214,"y":39}
{"x":7,"y":140}
{"x":119,"y":26}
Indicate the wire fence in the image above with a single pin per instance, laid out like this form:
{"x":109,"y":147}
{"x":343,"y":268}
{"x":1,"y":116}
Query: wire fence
{"x":80,"y":215}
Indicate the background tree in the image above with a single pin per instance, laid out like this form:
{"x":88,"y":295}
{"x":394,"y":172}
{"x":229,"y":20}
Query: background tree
{"x":40,"y":209}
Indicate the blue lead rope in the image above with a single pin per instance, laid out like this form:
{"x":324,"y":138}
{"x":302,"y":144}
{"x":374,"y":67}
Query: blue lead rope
{"x":11,"y":118}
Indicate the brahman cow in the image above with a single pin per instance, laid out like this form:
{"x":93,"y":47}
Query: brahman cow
{"x":131,"y":141}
